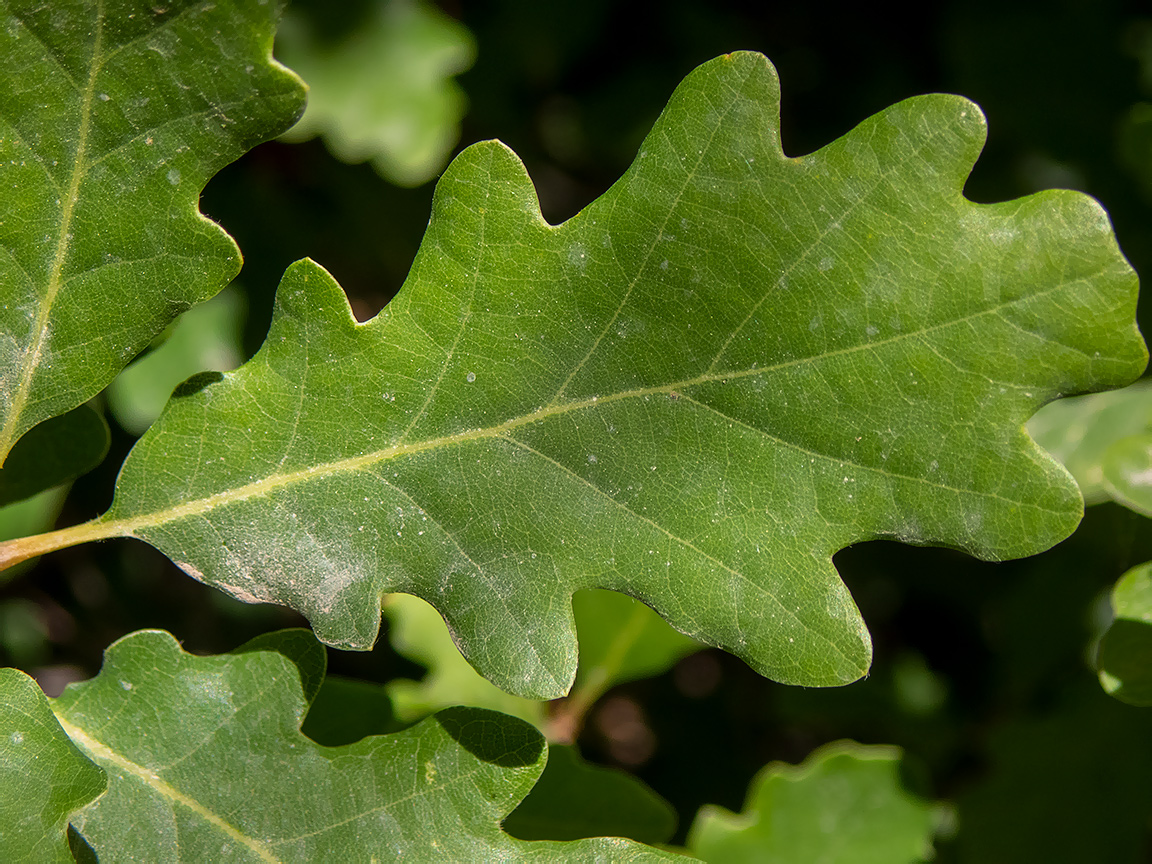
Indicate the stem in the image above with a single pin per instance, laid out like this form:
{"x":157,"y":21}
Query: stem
{"x":568,"y":718}
{"x":13,"y":552}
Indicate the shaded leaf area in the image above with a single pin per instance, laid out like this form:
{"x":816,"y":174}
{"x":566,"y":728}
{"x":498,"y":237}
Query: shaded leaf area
{"x":113,"y":116}
{"x":205,"y":759}
{"x":43,"y":777}
{"x":724,"y":370}
{"x":1124,"y":657}
{"x":844,"y":804}
{"x":206,"y":338}
{"x":383,"y":92}
{"x":347,"y":709}
{"x":55,"y":452}
{"x":575,"y":799}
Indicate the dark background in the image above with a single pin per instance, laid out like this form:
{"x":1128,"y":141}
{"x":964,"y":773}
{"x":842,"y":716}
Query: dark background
{"x":981,"y":670}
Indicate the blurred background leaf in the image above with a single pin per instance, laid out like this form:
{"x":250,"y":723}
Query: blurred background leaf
{"x":419,"y":633}
{"x":52,"y":453}
{"x":1080,"y":432}
{"x":1125,"y":654}
{"x":381,"y":91}
{"x":205,"y":338}
{"x":843,"y":805}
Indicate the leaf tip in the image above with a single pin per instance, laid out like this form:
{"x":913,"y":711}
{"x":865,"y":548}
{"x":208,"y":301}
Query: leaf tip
{"x":307,"y":290}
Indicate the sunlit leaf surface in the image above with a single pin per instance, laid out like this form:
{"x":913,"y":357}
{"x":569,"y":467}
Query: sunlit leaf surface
{"x":206,"y":762}
{"x":727,"y":368}
{"x":113,"y":117}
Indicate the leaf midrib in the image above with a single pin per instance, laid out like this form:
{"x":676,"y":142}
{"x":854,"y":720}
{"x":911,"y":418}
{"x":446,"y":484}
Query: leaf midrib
{"x":101,"y":752}
{"x":108,"y":526}
{"x":8,"y":433}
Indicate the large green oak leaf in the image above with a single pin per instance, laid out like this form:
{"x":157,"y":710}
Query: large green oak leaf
{"x":114,"y":114}
{"x":206,"y":762}
{"x":697,"y":390}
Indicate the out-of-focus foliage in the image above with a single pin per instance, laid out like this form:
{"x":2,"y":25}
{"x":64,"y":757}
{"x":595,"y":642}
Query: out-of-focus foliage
{"x":1105,"y":440}
{"x":844,"y":805}
{"x":383,"y":91}
{"x":205,"y":338}
{"x":418,"y":632}
{"x":1125,"y":653}
{"x":53,"y":453}
{"x":621,"y":640}
{"x":1099,"y":439}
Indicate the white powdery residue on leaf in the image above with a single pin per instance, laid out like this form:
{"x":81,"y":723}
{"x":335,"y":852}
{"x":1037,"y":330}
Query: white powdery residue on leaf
{"x":301,"y":569}
{"x":11,"y":361}
{"x":241,"y":594}
{"x":211,"y":687}
{"x":577,"y":255}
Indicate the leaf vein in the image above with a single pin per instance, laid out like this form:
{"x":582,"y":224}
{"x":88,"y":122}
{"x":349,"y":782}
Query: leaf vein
{"x":103,"y":753}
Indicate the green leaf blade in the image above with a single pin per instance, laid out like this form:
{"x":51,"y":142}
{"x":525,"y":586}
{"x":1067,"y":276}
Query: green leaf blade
{"x":694,"y":392}
{"x":114,"y":116}
{"x":43,"y":776}
{"x":206,"y":760}
{"x":55,"y":452}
